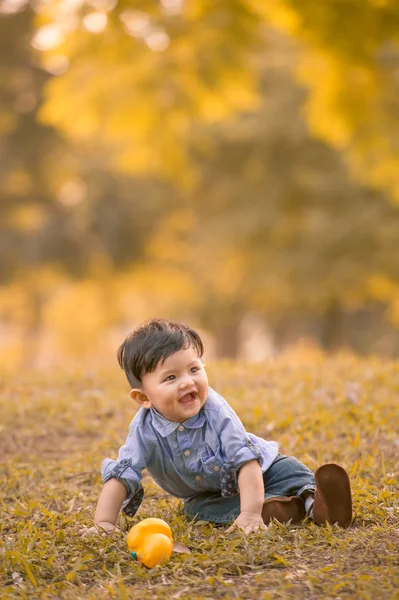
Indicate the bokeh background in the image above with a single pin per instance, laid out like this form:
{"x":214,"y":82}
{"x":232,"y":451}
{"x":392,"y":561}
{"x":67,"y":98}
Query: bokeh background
{"x":230,"y":163}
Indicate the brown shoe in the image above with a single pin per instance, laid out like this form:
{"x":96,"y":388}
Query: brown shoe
{"x":283,"y":509}
{"x":333,"y":499}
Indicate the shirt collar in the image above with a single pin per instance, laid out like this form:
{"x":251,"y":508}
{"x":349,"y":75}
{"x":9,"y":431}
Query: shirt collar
{"x":166,"y":427}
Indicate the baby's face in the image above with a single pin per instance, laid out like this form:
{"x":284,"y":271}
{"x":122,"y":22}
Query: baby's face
{"x":178,"y":388}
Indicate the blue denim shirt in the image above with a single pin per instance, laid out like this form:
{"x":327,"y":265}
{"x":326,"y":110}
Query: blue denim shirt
{"x":201,"y":454}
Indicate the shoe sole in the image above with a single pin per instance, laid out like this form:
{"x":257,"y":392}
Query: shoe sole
{"x":334,"y":488}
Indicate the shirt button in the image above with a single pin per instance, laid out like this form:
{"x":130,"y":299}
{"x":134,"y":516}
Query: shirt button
{"x":198,"y":477}
{"x":181,"y":428}
{"x":187,"y":453}
{"x":216,"y":468}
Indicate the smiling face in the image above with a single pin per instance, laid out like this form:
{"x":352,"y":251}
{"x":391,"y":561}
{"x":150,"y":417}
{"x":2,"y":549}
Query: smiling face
{"x":177,"y":389}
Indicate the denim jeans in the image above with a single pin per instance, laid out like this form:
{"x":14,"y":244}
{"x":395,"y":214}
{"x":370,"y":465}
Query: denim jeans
{"x":286,"y":476}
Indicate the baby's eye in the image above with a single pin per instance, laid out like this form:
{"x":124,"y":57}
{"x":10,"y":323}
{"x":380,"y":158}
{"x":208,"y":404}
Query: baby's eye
{"x":194,"y":369}
{"x":170,"y":378}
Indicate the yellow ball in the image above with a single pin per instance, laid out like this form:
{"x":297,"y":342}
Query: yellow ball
{"x":150,"y":542}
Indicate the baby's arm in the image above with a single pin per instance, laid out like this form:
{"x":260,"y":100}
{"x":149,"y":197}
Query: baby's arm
{"x":252,"y":490}
{"x":109,"y":504}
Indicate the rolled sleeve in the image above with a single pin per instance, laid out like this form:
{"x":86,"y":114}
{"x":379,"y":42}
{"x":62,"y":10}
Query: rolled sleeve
{"x":250,"y":452}
{"x":237,"y":446}
{"x":128,"y":469}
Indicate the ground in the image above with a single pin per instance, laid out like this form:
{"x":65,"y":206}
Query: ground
{"x":56,"y":428}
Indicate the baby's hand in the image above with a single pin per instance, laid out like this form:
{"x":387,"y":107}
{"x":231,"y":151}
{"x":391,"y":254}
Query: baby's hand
{"x":248,"y":522}
{"x":100,"y":529}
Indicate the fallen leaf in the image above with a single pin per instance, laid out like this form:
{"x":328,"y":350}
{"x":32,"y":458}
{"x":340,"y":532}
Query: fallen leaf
{"x":180,"y":547}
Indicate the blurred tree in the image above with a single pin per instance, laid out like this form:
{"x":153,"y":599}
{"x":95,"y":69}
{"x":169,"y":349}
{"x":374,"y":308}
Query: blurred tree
{"x":350,"y":64}
{"x":142,"y":73}
{"x":193,"y":63}
{"x":59,"y":205}
{"x":30,"y":231}
{"x":276,"y":225}
{"x":273,"y":224}
{"x":62,"y":212}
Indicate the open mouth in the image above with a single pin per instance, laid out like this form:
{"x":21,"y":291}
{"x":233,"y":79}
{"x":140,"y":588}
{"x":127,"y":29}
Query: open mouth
{"x":188,"y":398}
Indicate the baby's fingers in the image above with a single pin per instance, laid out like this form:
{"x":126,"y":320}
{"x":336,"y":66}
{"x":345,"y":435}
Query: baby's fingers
{"x":97,"y":530}
{"x":89,"y":531}
{"x":255,"y":528}
{"x":247,"y":528}
{"x":232,"y":528}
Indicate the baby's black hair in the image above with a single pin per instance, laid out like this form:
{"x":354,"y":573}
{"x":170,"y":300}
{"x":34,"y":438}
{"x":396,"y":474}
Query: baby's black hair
{"x":151,"y":343}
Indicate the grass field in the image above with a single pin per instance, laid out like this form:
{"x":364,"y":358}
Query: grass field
{"x":55,"y":429}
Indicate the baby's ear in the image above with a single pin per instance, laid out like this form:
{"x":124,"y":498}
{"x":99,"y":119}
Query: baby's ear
{"x":140,"y":397}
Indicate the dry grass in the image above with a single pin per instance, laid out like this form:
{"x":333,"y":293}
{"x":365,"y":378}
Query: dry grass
{"x":55,"y":430}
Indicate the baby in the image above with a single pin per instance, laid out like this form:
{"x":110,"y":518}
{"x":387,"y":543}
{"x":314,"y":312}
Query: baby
{"x":196,"y":448}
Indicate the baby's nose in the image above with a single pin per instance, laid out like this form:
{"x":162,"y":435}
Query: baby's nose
{"x":187,"y":382}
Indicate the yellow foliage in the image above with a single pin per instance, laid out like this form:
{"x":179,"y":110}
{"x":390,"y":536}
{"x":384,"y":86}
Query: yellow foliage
{"x":77,"y":316}
{"x":226,"y":273}
{"x":84,"y":124}
{"x":172,"y":242}
{"x":386,"y":290}
{"x":71,"y":320}
{"x":12,"y":352}
{"x":8,"y":121}
{"x":353,"y":92}
{"x":347,"y":108}
{"x":17,"y":182}
{"x":14,"y":304}
{"x":279,"y":12}
{"x":144,"y":105}
{"x":27,"y":218}
{"x":140,"y":103}
{"x":382,"y":288}
{"x":158,"y":291}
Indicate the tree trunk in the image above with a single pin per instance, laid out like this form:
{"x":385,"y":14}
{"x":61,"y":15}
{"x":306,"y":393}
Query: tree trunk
{"x":332,"y":328}
{"x":227,"y":339}
{"x":33,"y":329}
